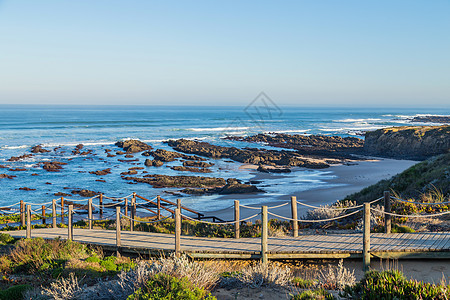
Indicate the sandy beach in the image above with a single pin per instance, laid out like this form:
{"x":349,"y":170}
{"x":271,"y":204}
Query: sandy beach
{"x":351,"y":178}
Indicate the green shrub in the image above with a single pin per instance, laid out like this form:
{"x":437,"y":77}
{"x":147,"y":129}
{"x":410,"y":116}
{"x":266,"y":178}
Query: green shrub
{"x":109,"y":264}
{"x":315,"y":294}
{"x":163,"y":286}
{"x":303,"y":283}
{"x":15,"y":292}
{"x":401,"y":229}
{"x":93,"y":258}
{"x":393,"y":285}
{"x":5,"y":239}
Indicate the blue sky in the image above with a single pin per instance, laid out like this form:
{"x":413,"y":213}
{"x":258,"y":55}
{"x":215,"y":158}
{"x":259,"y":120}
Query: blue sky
{"x":306,"y":53}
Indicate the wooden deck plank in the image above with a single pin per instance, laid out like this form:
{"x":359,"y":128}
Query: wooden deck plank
{"x":305,"y":246}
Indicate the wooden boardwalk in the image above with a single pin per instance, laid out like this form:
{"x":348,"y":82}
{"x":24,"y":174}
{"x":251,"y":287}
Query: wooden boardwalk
{"x":394,"y":245}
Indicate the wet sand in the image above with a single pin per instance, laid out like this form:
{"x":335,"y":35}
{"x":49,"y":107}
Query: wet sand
{"x":352,"y":178}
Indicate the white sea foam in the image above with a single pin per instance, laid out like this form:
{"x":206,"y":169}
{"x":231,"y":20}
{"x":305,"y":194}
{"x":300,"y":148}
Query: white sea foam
{"x":288,"y":131}
{"x":358,"y":120}
{"x":6,"y":147}
{"x":218,"y":129}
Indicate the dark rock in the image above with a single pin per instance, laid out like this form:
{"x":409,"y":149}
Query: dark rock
{"x":273,"y":170}
{"x":100,"y":180}
{"x":191,"y":169}
{"x":136,"y":168}
{"x":408,"y":142}
{"x":133,"y":146}
{"x":153,"y":163}
{"x":233,"y":186}
{"x":163,"y":181}
{"x":59,"y":194}
{"x":316,"y":145}
{"x":167,"y":156}
{"x":131,"y":172}
{"x":129,"y":156}
{"x":254,"y":156}
{"x":39,"y":149}
{"x":128,"y":160}
{"x":53,"y":166}
{"x":3,"y":167}
{"x":101,"y":172}
{"x":17,"y":170}
{"x":7,"y":176}
{"x":22,"y":157}
{"x":198,"y":164}
{"x":48,"y":183}
{"x":110,"y":155}
{"x":34,"y":174}
{"x":120,"y":153}
{"x":432,"y":119}
{"x":26,"y":189}
{"x":85,"y":193}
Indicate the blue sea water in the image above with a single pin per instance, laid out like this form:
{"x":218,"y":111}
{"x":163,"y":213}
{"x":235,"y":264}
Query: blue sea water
{"x":99,"y":127}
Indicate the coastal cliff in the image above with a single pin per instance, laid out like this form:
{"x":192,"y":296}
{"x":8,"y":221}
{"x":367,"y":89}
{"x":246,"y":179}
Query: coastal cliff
{"x":409,"y":142}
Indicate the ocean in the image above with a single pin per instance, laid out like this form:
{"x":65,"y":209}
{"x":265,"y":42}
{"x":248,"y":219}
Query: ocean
{"x":99,"y":127}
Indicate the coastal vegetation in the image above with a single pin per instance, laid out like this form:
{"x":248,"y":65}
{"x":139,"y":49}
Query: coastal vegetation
{"x":38,"y":269}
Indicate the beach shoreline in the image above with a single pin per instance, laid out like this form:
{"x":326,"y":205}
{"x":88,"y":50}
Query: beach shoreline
{"x":347,"y":179}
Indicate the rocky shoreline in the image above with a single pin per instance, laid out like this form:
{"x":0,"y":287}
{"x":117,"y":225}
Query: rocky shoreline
{"x":191,"y":156}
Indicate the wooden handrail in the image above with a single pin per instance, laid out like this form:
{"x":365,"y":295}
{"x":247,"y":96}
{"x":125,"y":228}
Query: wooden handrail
{"x":154,"y":203}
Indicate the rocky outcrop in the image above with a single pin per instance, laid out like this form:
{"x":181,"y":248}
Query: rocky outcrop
{"x":233,"y":186}
{"x":167,"y":156}
{"x":85,"y":193}
{"x":101,"y":172}
{"x":248,"y":155}
{"x":18,"y":158}
{"x":319,"y":145}
{"x":432,"y":119}
{"x":39,"y":149}
{"x":273,"y":170}
{"x":153,"y":163}
{"x":197,"y":164}
{"x":53,"y":166}
{"x":191,"y":169}
{"x":133,"y":146}
{"x":408,"y":142}
{"x":7,"y":176}
{"x":163,"y":181}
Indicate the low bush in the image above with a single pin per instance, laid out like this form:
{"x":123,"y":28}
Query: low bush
{"x":320,"y":294}
{"x":163,"y":286}
{"x":303,"y":283}
{"x":14,"y":292}
{"x":393,"y":285}
{"x":6,"y":239}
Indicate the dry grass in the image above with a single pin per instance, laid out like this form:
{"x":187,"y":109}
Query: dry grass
{"x":266,"y":274}
{"x":63,"y":288}
{"x":336,"y":277}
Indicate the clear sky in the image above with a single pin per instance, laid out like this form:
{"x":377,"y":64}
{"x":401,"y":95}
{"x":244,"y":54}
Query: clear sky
{"x":306,"y":53}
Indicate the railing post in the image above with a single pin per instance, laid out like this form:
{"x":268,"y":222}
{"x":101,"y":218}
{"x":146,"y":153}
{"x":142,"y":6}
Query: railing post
{"x":294,"y":215}
{"x":179,"y":204}
{"x":264,"y":234}
{"x":237,"y":225}
{"x":177,"y":232}
{"x":100,"y":204}
{"x":132,"y":212}
{"x":126,"y":207}
{"x":54,"y":213}
{"x":90,"y":213}
{"x":62,"y":210}
{"x":118,"y":242}
{"x":158,"y":207}
{"x":22,"y":213}
{"x":366,"y":238}
{"x":44,"y":219}
{"x":70,"y":223}
{"x":28,"y":221}
{"x":387,"y":208}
